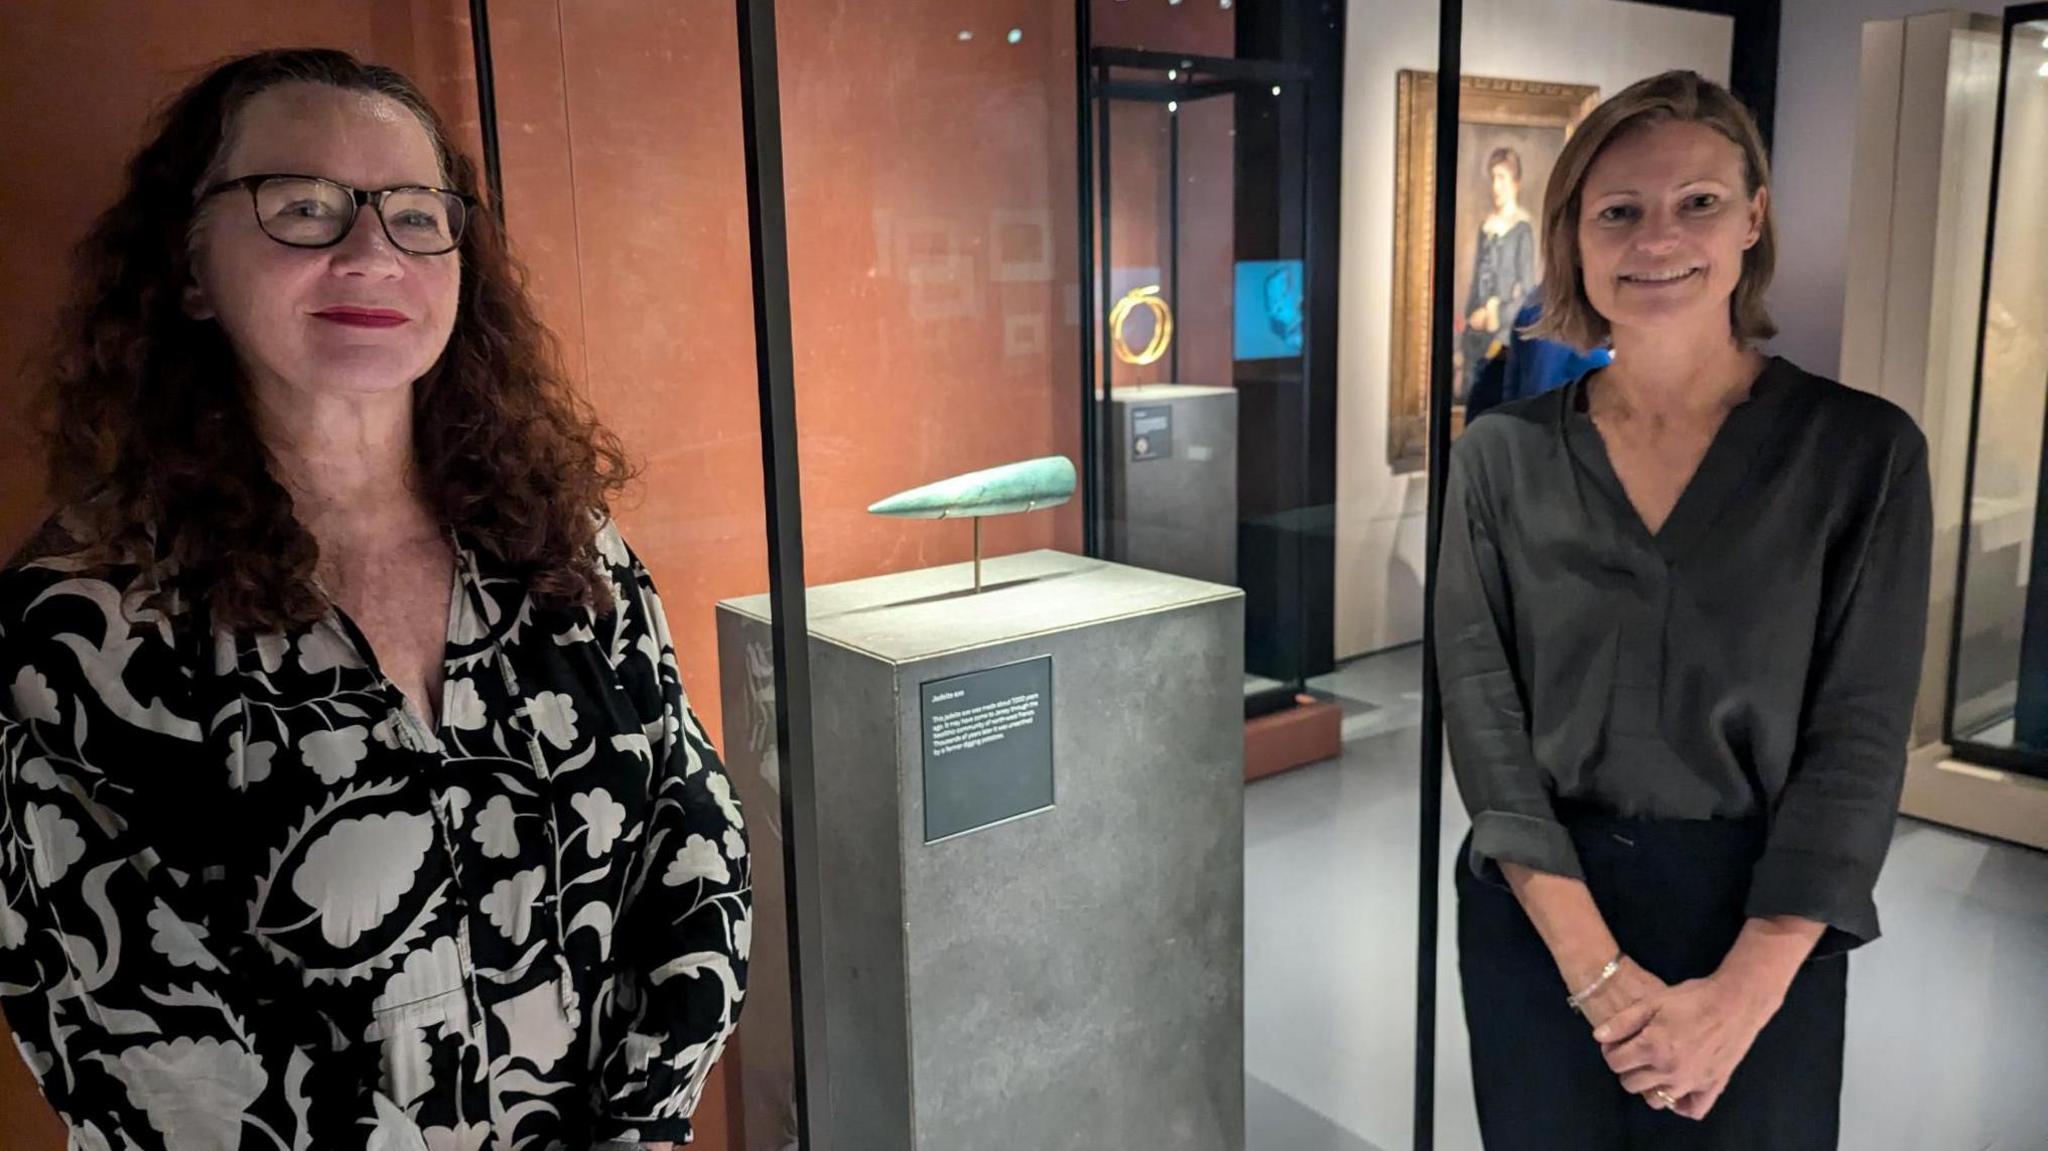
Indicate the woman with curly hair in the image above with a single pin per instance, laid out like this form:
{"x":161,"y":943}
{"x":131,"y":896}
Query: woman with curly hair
{"x":349,"y":794}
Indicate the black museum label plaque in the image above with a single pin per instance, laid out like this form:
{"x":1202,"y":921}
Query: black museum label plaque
{"x":987,"y":747}
{"x":1152,"y":432}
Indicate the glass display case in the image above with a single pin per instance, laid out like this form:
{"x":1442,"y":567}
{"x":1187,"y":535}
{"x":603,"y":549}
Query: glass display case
{"x":1009,"y":886}
{"x":1196,"y":455}
{"x":1998,"y":678}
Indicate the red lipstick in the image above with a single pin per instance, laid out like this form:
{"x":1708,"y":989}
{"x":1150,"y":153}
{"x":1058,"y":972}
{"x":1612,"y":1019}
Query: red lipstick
{"x":363,"y":317}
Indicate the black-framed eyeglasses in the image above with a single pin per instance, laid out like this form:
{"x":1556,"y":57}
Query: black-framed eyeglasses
{"x":311,"y":212}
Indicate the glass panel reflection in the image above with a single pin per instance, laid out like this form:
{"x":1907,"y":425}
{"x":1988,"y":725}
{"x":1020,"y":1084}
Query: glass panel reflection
{"x":930,"y":179}
{"x":2000,"y":697}
{"x":605,"y":113}
{"x":1200,"y":219}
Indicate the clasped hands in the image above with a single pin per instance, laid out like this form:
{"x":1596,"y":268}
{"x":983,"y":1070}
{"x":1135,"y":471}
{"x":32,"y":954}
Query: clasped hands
{"x":1675,"y":1047}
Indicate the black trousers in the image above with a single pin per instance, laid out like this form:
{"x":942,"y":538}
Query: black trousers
{"x":1672,"y":892}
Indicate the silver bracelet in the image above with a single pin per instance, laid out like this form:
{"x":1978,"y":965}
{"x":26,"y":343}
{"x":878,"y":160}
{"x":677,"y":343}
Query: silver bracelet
{"x":1578,"y":1002}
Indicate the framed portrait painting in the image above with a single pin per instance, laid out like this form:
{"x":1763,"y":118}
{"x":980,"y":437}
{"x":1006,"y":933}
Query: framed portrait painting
{"x":1509,"y":135}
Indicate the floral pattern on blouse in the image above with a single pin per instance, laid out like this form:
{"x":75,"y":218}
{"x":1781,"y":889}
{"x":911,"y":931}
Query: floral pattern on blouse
{"x":248,"y":899}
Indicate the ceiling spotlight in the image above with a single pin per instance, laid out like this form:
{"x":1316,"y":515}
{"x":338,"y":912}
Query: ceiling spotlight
{"x":1173,"y":73}
{"x":1225,"y":3}
{"x":1173,"y":105}
{"x":1016,"y":34}
{"x":1276,"y":89}
{"x":965,"y":36}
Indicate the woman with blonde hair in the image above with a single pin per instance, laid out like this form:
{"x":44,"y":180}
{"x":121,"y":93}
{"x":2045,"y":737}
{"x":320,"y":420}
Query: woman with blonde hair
{"x":1680,"y":614}
{"x":349,"y":794}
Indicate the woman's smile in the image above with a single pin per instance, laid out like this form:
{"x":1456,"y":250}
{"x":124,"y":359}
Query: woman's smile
{"x":363,"y":317}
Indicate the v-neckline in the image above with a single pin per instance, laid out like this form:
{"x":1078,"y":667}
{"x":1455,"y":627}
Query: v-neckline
{"x":1722,"y":470}
{"x":461,"y":596}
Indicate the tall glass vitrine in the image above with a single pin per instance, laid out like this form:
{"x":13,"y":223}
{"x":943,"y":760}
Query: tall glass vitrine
{"x":1998,"y":671}
{"x":1196,"y":428}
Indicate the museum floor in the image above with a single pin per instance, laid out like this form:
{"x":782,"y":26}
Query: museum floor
{"x":1948,"y":1020}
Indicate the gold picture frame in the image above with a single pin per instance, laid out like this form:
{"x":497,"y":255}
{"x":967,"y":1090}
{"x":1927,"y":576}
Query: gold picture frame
{"x":1482,"y":100}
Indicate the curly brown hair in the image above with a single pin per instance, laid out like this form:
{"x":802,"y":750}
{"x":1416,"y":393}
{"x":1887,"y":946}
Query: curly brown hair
{"x":151,"y":439}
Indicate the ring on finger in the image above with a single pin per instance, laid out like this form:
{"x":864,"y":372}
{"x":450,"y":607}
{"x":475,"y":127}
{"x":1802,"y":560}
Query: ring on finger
{"x":1664,"y":1097}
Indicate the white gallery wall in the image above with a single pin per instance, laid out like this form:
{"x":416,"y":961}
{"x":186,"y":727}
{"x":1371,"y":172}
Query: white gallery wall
{"x":1819,"y":51}
{"x":1606,"y":43}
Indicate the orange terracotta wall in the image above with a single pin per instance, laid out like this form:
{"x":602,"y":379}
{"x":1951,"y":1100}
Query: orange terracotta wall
{"x":1198,"y":27}
{"x":932,"y":216}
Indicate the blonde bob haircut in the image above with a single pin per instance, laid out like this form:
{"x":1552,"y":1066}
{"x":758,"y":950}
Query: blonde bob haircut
{"x":1674,"y":97}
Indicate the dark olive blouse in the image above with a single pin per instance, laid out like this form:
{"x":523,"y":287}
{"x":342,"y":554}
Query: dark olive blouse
{"x":1758,"y":656}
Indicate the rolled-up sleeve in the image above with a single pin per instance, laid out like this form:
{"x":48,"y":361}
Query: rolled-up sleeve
{"x":1485,"y":714}
{"x":1832,"y":823}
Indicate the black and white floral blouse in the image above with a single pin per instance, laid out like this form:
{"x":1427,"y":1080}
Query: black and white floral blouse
{"x":248,"y":899}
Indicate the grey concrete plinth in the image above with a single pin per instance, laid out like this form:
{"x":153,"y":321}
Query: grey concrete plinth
{"x":1068,"y":977}
{"x":1172,"y":481}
